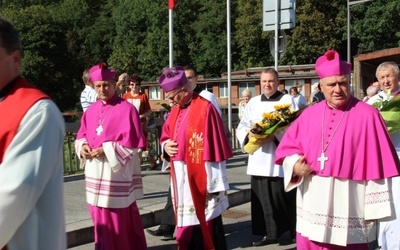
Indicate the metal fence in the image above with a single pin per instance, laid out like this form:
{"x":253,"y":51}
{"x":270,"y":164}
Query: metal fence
{"x":71,"y":161}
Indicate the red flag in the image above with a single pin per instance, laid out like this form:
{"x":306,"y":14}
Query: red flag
{"x":171,"y":4}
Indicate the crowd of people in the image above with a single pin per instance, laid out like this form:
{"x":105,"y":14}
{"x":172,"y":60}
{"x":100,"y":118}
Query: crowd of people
{"x":330,"y":178}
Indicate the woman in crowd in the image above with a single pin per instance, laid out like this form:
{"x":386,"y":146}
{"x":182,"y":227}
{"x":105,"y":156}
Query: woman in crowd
{"x":142,"y":104}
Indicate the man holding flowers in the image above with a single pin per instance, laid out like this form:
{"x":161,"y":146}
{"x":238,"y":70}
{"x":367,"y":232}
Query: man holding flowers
{"x":388,"y":101}
{"x":272,"y":210}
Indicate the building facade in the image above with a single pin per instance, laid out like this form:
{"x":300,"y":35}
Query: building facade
{"x":296,"y":75}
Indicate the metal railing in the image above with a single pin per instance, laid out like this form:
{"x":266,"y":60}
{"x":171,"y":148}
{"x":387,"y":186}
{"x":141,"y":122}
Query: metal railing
{"x":71,"y":161}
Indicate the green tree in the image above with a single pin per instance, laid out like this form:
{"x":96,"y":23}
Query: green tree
{"x":141,"y":43}
{"x":44,"y":53}
{"x":319,"y":26}
{"x":63,"y":37}
{"x":209,"y":56}
{"x":375,"y":26}
{"x":252,"y":41}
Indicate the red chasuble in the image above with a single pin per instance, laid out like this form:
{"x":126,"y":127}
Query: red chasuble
{"x":21,"y":97}
{"x":205,"y":142}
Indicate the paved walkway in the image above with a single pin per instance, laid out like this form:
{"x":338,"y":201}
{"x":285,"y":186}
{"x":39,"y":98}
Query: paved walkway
{"x":236,"y":219}
{"x":155,"y":183}
{"x":237,"y":227}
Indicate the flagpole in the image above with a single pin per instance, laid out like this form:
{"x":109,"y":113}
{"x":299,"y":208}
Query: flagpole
{"x":171,"y":39}
{"x":228,"y":46}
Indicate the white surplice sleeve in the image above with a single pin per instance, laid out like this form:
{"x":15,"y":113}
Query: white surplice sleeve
{"x":288,"y":165}
{"x":118,"y":156}
{"x":31,"y":177}
{"x":217,"y":180}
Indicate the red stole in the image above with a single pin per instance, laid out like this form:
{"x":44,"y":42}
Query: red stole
{"x":14,"y":106}
{"x":194,"y":160}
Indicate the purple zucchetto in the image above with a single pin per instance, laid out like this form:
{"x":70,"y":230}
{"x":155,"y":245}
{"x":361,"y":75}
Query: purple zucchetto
{"x":172,"y":78}
{"x":101,"y":72}
{"x":330,"y":65}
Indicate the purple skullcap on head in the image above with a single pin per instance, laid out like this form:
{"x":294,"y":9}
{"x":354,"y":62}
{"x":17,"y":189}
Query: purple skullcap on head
{"x":330,"y":65}
{"x":172,"y":78}
{"x":101,"y":72}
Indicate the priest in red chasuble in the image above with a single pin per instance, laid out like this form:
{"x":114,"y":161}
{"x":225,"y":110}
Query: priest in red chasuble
{"x":339,"y":155}
{"x":107,"y":144}
{"x":32,"y":132}
{"x":196,"y":147}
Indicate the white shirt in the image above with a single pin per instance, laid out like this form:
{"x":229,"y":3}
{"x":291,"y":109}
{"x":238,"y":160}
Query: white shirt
{"x":31,"y":177}
{"x":382,"y":96}
{"x":300,"y":101}
{"x":88,"y":96}
{"x":389,"y":237}
{"x":211,"y":98}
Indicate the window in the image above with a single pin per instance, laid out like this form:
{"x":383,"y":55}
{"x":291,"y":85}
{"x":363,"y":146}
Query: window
{"x":314,"y":81}
{"x":223,"y":89}
{"x":154,"y":92}
{"x":247,"y":85}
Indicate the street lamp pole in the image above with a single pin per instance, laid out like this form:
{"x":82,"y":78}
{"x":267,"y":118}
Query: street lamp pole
{"x":349,"y":4}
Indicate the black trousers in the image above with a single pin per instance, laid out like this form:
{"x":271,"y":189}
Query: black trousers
{"x":197,"y":242}
{"x":273,"y":211}
{"x":168,"y":217}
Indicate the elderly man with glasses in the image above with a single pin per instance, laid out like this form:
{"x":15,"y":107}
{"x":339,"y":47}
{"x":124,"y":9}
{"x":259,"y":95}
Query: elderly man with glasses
{"x":195,"y":146}
{"x":167,"y":226}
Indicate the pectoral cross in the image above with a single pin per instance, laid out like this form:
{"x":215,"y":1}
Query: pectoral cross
{"x":322,"y":159}
{"x":99,"y":129}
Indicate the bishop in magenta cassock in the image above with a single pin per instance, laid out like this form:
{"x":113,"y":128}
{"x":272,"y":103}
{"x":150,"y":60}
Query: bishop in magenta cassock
{"x":195,"y":146}
{"x":340,"y":156}
{"x":107,"y":143}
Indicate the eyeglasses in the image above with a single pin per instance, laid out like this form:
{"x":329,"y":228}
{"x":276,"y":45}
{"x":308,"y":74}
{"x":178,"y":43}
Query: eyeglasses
{"x":171,"y":98}
{"x":190,"y":77}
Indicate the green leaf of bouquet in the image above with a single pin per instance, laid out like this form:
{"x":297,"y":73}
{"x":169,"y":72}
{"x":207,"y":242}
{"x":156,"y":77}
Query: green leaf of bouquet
{"x":272,"y":129}
{"x":392,"y":119}
{"x":392,"y":105}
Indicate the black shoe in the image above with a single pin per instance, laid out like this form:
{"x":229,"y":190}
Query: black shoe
{"x":150,"y":168}
{"x":168,"y":236}
{"x":157,"y":232}
{"x":263,"y":241}
{"x":160,"y":232}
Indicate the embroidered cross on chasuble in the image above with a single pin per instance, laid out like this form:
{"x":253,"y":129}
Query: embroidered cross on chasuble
{"x":194,"y":160}
{"x":196,"y":147}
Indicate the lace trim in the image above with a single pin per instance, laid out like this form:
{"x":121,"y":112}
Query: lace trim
{"x":377,"y":197}
{"x":333,"y":221}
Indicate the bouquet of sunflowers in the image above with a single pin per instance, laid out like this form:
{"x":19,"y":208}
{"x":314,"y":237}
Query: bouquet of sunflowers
{"x":270,"y":123}
{"x":390,"y":111}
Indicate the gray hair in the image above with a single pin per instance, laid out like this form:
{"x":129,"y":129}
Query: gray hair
{"x":386,"y":65}
{"x":246,"y":92}
{"x":372,"y":90}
